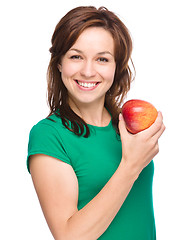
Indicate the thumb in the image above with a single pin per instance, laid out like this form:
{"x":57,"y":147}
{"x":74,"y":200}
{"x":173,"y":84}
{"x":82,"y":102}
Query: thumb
{"x":122,"y":127}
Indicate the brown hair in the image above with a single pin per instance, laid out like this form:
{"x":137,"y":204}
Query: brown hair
{"x":65,"y":35}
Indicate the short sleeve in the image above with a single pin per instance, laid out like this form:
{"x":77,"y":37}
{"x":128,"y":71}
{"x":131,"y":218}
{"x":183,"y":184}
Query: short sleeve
{"x":45,"y":139}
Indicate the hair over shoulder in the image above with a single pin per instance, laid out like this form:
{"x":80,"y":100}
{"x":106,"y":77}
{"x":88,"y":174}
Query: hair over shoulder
{"x":65,"y":35}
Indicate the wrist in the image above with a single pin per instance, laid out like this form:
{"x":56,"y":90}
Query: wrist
{"x":130,"y":170}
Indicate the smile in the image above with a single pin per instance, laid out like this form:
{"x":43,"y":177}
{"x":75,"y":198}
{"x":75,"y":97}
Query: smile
{"x":87,"y":85}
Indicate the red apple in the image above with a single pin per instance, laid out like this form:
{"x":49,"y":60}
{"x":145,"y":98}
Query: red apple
{"x":138,"y":115}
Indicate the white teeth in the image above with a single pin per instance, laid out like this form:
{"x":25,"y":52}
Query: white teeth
{"x":86,"y":85}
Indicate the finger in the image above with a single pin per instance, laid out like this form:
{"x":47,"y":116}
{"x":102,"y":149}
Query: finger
{"x":156,"y":126}
{"x":156,"y":149}
{"x":122,"y":127}
{"x":159,"y":133}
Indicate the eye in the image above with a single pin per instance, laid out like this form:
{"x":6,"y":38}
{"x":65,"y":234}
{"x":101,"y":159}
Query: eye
{"x":102,"y":59}
{"x":76,"y":57}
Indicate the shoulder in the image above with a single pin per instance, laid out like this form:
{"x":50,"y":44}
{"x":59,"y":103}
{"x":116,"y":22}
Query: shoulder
{"x":48,"y":137}
{"x":48,"y":125}
{"x":47,"y":132}
{"x":50,"y":131}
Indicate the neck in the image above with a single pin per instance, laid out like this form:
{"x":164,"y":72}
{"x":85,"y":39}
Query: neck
{"x":95,"y":114}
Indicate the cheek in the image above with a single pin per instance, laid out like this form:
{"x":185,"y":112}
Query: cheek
{"x":68,"y":69}
{"x":108,"y":74}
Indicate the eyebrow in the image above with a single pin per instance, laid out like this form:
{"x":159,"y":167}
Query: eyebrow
{"x":100,"y":53}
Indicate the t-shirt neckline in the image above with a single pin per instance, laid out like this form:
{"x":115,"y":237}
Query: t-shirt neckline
{"x":101,"y":128}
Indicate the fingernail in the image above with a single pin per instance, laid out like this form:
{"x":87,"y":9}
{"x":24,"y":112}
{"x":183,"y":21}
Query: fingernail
{"x":120,"y":117}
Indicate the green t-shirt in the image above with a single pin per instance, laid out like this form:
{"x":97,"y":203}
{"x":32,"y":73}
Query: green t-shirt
{"x":94,"y":160}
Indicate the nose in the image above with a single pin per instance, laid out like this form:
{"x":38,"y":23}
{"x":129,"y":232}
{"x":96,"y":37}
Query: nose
{"x":88,"y":69}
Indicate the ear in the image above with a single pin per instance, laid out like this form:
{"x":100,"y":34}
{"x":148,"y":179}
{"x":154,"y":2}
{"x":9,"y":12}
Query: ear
{"x":59,"y":67}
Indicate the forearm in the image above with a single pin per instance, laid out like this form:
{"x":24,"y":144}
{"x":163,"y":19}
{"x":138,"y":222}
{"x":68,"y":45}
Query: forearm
{"x":91,"y":221}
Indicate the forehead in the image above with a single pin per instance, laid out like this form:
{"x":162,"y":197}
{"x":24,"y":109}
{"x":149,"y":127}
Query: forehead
{"x":95,"y":39}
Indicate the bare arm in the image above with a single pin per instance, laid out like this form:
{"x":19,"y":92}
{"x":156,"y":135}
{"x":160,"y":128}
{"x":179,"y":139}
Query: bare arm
{"x":57,"y":188}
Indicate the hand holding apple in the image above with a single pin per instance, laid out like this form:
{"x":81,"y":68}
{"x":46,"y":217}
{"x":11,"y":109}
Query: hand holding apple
{"x":139,"y":149}
{"x":138,"y":115}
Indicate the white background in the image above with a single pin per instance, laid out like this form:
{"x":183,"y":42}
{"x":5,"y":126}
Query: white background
{"x":160,"y":54}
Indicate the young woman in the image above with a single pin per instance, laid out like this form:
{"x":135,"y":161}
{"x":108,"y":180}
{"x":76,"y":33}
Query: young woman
{"x":92,"y":177}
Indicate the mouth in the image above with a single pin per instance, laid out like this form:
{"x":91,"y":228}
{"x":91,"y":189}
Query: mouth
{"x":87,"y":85}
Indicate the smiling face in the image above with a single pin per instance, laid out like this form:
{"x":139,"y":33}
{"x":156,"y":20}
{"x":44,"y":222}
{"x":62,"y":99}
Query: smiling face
{"x":88,"y":67}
